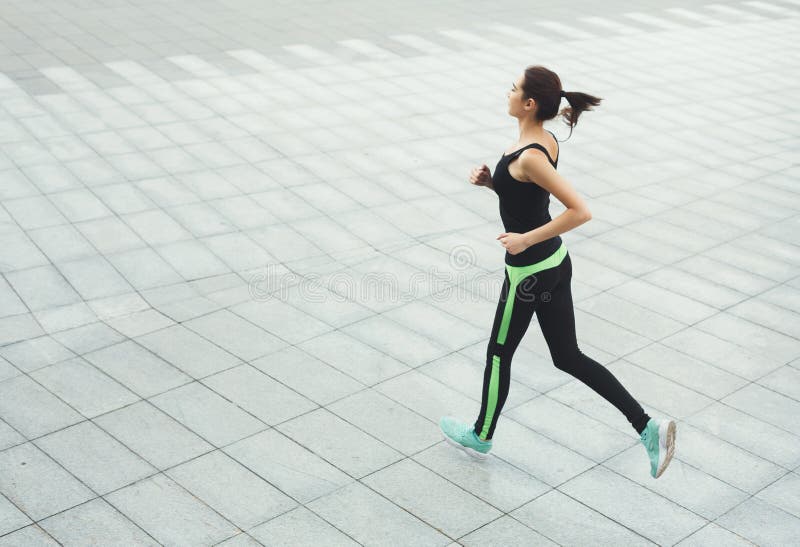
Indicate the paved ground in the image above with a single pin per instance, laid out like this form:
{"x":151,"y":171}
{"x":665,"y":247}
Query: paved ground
{"x":244,"y":274}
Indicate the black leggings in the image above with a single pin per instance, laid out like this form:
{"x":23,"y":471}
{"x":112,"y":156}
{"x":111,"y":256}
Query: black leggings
{"x":543,"y":287}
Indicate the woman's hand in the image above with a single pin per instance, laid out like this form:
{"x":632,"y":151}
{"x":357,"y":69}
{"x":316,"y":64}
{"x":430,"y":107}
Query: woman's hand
{"x":513,"y":242}
{"x":480,"y":176}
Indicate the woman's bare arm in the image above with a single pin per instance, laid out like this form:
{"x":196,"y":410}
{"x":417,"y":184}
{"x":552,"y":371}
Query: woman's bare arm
{"x":537,"y":168}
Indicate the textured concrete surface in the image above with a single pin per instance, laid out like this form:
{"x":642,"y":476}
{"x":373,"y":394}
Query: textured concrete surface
{"x":243,"y":273}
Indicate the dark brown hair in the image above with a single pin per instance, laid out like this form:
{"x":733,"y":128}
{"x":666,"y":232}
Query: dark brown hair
{"x":544,"y":86}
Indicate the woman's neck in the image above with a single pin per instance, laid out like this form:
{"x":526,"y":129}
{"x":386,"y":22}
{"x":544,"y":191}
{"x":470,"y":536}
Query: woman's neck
{"x":530,"y":129}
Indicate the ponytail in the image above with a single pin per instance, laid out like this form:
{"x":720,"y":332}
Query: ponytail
{"x":578,"y":103}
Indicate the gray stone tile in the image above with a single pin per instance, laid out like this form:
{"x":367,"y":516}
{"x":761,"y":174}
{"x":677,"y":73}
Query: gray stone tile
{"x":432,"y":498}
{"x":11,"y":518}
{"x":137,"y":369}
{"x":307,"y":375}
{"x":696,"y":287}
{"x":192,"y":259}
{"x":209,"y":415}
{"x":396,"y":340}
{"x":633,"y":506}
{"x":301,"y":527}
{"x":535,"y":454}
{"x":94,"y":278}
{"x":94,"y":457}
{"x":29,"y":536}
{"x":750,"y":433}
{"x":657,"y":391}
{"x":724,"y":461}
{"x":569,"y":522}
{"x":761,"y":523}
{"x":389,"y":422}
{"x":123,"y":198}
{"x":34,"y":212}
{"x":31,"y":409}
{"x":607,"y":336}
{"x":51,"y":178}
{"x":354,"y":451}
{"x":281,"y":241}
{"x":36,"y":484}
{"x":90,"y":337}
{"x":570,"y":428}
{"x":10,"y":301}
{"x":505,"y":531}
{"x":281,"y":320}
{"x":765,"y":405}
{"x":202,"y":221}
{"x":288,"y":466}
{"x":83,"y":387}
{"x":769,"y":315}
{"x":259,"y":394}
{"x":97,"y":520}
{"x":748,"y":363}
{"x":635,"y":318}
{"x":186,"y":350}
{"x":683,"y":369}
{"x":35,"y":353}
{"x":711,"y":534}
{"x":62,"y":243}
{"x":432,"y":399}
{"x":443,"y":327}
{"x":760,"y":339}
{"x":79,"y":205}
{"x":708,"y":497}
{"x":234,"y":334}
{"x":19,"y":252}
{"x":784,"y":494}
{"x":355,"y":508}
{"x":18,"y":327}
{"x":232,"y":490}
{"x":9,"y":437}
{"x":139,"y":322}
{"x":170,"y":514}
{"x":55,"y":320}
{"x":785,"y":380}
{"x":110,"y":235}
{"x":153,"y":435}
{"x":241,"y":540}
{"x":7,"y":370}
{"x":156,"y":227}
{"x":354,"y":357}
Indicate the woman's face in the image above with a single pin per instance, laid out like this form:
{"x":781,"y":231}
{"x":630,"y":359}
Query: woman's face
{"x":516,"y":102}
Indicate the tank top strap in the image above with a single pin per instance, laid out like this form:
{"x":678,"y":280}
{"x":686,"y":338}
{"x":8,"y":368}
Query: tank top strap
{"x":538,"y":147}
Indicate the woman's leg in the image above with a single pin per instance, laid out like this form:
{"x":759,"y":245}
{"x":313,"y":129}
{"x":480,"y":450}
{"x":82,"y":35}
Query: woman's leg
{"x":556,"y":317}
{"x":511,"y":321}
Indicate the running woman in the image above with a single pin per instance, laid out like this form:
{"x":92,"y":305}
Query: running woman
{"x":538,"y":270}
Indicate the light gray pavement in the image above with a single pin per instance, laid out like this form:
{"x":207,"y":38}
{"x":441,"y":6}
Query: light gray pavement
{"x":244,"y":274}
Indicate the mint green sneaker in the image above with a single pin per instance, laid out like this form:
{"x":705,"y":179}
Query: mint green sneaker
{"x":658,"y":438}
{"x":463,"y":437}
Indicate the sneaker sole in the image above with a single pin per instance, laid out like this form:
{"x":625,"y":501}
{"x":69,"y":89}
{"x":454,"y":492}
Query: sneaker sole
{"x":669,"y":435}
{"x":469,"y":451}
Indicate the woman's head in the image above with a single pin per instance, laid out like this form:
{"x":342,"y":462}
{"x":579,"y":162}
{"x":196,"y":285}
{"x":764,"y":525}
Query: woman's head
{"x":537,"y":93}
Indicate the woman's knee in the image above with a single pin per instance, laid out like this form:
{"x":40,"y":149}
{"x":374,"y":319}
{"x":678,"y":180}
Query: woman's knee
{"x":567,"y":360}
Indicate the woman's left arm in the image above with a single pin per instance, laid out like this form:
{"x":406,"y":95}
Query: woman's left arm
{"x":537,"y":168}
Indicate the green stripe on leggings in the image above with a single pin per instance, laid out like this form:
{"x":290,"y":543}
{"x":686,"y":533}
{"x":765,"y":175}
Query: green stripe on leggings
{"x":516,"y":274}
{"x":494,"y":389}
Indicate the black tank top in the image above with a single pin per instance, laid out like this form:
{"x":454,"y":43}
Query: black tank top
{"x":523,"y":207}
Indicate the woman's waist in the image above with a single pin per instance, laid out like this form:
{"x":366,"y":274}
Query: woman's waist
{"x":536,"y":252}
